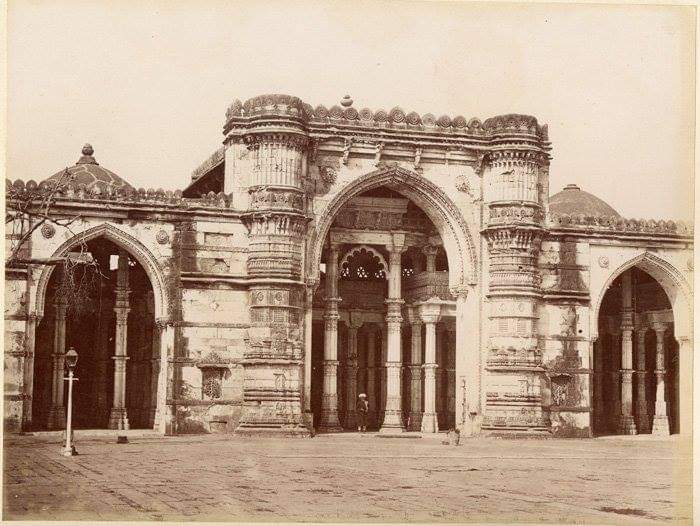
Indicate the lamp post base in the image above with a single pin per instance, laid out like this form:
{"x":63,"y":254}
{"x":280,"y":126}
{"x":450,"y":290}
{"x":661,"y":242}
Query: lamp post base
{"x":69,"y":451}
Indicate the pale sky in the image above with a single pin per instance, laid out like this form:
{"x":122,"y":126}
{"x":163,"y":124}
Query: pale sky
{"x":148,"y":83}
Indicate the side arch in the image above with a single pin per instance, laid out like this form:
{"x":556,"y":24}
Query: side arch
{"x":459,"y":245}
{"x":671,"y":280}
{"x":126,"y":241}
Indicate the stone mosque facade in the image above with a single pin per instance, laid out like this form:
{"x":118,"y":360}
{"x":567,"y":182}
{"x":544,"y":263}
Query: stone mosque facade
{"x":321,"y":253}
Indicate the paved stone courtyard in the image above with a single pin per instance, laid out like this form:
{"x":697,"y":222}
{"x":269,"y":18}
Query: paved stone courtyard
{"x":348,"y":477}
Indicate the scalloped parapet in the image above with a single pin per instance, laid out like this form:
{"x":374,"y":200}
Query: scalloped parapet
{"x":289,"y":106}
{"x":621,"y":224}
{"x":80,"y":192}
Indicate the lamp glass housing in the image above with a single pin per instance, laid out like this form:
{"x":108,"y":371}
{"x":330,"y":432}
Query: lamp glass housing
{"x":71,"y":358}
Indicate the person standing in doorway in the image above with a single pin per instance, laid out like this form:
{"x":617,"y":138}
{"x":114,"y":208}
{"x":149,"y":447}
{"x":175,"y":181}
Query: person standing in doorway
{"x":362,"y":409}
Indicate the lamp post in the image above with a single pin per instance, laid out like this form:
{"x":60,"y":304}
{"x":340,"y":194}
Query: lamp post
{"x":71,"y":359}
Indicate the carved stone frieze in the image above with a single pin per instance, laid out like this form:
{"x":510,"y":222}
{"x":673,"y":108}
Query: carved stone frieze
{"x":266,"y":198}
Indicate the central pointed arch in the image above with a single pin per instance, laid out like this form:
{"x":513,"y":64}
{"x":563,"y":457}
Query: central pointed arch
{"x":442,"y":211}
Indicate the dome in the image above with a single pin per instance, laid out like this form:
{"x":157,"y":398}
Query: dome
{"x":574,"y":201}
{"x":89,"y":173}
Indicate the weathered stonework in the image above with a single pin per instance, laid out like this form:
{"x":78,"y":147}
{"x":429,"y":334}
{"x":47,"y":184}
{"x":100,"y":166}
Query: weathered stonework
{"x":322,"y":253}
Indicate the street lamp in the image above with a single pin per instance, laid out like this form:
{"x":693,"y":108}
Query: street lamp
{"x":71,"y":360}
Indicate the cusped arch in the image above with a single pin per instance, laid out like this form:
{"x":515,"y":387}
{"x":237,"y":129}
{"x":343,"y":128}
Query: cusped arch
{"x":355,"y":249}
{"x":671,"y":280}
{"x":444,"y":214}
{"x":124,"y":240}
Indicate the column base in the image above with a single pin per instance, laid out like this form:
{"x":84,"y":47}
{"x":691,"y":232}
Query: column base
{"x":429,"y":424}
{"x":392,"y":422}
{"x":118,"y":419}
{"x":627,"y":425}
{"x":329,"y":423}
{"x":57,"y":418}
{"x":660,"y":426}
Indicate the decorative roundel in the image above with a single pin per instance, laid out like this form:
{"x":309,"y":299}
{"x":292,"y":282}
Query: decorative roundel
{"x":474,"y":123}
{"x":366,"y":114}
{"x":162,"y":237}
{"x":381,"y":116}
{"x":397,"y":115}
{"x":428,"y":119}
{"x":321,"y":111}
{"x":603,"y":261}
{"x":259,"y":297}
{"x":47,"y":230}
{"x":444,"y":121}
{"x":269,"y":100}
{"x":459,"y":122}
{"x":336,"y":112}
{"x":278,"y":297}
{"x":413,"y":118}
{"x":351,"y":114}
{"x":31,"y":185}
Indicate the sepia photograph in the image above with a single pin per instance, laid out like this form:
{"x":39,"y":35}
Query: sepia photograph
{"x":392,"y":261}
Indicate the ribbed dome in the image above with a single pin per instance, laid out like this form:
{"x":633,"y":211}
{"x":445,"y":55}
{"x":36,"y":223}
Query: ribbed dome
{"x":574,"y":201}
{"x":87,"y":172}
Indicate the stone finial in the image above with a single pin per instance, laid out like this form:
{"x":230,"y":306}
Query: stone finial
{"x":346,"y":101}
{"x":87,"y":157}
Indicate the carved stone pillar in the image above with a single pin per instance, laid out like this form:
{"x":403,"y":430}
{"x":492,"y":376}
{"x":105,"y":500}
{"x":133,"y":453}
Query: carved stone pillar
{"x":598,"y":382}
{"x":164,"y":417}
{"x":430,"y":317}
{"x":440,"y":375}
{"x":392,"y":413}
{"x":382,"y":378}
{"x":614,"y":379}
{"x":57,"y":413}
{"x":641,"y":399}
{"x":118,"y":418}
{"x":329,"y":403}
{"x":430,"y":252}
{"x":28,"y":372}
{"x":415,"y":414}
{"x":275,"y":134}
{"x":155,"y":374}
{"x":351,"y":374}
{"x":660,"y":423}
{"x":450,"y":376}
{"x":372,"y":375}
{"x":515,"y":227}
{"x":627,"y":426}
{"x":308,"y":349}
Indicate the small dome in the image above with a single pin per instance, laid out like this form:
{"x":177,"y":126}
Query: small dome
{"x":574,"y":201}
{"x":89,"y":173}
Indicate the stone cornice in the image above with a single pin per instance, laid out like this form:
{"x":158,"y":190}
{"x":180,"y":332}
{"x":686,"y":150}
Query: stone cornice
{"x":322,"y":122}
{"x":618,"y":225}
{"x":153,"y":199}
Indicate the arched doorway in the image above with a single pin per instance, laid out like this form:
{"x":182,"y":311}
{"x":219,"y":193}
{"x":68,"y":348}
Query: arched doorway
{"x":636,"y":359}
{"x":106,"y":311}
{"x":384,"y":317}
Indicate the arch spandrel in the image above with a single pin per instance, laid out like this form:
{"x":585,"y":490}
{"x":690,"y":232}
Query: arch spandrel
{"x":668,"y":276}
{"x":442,"y":211}
{"x":124,"y":240}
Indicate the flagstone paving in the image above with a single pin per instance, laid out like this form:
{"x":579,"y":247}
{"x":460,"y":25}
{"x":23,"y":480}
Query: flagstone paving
{"x":348,"y":477}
